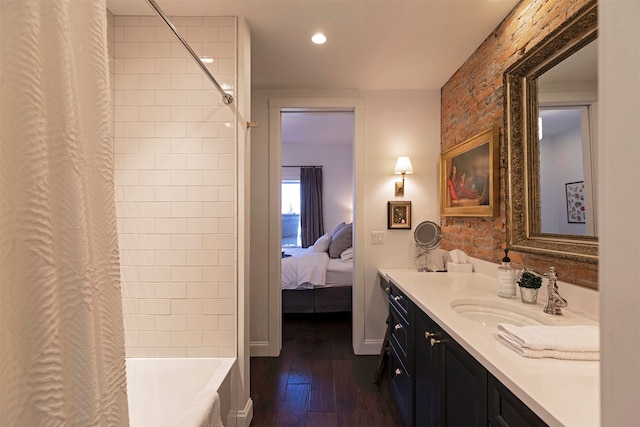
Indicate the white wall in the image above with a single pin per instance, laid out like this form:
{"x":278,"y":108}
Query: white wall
{"x":337,"y":172}
{"x":175,"y":174}
{"x":397,"y":123}
{"x":619,"y":228}
{"x":559,"y":166}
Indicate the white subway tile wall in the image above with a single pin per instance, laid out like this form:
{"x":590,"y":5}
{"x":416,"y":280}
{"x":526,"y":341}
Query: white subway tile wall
{"x":174,"y":157}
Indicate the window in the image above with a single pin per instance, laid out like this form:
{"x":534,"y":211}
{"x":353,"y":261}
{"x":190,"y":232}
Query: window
{"x":290,"y":197}
{"x":291,"y":213}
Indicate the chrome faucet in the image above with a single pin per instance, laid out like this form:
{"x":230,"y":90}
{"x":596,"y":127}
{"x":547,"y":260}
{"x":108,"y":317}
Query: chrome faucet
{"x":555,"y":302}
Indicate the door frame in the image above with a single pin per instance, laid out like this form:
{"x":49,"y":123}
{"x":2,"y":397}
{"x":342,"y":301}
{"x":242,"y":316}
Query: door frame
{"x":276,"y":106}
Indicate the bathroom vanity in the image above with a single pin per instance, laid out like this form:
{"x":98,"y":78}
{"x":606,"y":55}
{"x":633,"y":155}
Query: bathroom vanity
{"x":447,"y":369}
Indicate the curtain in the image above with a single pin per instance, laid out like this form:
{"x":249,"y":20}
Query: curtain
{"x":61,"y":327}
{"x":311,"y":222}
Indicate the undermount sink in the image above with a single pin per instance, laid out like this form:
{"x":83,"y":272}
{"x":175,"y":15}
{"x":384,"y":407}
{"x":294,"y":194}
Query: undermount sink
{"x":490,"y":313}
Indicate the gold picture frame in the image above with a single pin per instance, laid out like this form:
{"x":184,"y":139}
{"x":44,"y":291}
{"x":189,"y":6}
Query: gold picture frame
{"x":469,"y":182}
{"x":399,"y":215}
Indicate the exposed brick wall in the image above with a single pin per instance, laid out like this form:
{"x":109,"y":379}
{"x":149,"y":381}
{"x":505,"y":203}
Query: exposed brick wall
{"x":472,"y":101}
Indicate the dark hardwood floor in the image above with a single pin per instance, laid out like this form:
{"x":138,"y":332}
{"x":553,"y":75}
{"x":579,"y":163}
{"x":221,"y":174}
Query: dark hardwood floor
{"x":317,"y":380}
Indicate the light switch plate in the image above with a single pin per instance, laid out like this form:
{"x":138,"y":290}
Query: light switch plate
{"x":377,"y":237}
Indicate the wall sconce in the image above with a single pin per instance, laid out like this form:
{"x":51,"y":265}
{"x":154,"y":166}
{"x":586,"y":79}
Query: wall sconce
{"x":403,"y":166}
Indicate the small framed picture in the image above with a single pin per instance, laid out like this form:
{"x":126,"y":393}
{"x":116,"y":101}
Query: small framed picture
{"x":575,"y":202}
{"x":399,"y":215}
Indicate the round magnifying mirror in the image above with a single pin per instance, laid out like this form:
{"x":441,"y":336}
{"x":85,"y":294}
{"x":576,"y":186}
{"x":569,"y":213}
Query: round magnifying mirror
{"x":427,"y":236}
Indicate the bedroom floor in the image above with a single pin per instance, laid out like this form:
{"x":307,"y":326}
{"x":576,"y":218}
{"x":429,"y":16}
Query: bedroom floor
{"x":317,"y":380}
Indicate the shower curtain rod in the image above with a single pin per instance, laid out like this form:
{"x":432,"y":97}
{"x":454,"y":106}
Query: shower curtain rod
{"x":227,"y":98}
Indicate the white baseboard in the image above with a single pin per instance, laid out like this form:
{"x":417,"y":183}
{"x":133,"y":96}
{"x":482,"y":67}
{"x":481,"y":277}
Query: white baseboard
{"x":259,"y":348}
{"x":241,"y":418}
{"x":368,"y":347}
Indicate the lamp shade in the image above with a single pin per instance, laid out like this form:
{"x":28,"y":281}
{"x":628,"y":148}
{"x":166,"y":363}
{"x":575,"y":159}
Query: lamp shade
{"x":403,"y":165}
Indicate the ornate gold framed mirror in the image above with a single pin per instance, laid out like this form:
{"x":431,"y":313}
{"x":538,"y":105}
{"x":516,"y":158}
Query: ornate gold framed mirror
{"x":525,"y":231}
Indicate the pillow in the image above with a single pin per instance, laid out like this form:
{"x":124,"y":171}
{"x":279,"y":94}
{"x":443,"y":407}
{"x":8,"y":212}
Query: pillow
{"x":341,"y":241}
{"x":338,"y":228}
{"x":347,"y":254}
{"x":322,"y":244}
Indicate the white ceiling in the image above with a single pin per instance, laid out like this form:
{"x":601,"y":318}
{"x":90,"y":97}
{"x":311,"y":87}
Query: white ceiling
{"x":372,"y":44}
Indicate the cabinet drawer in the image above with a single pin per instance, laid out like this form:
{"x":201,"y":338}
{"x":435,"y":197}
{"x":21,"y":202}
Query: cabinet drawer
{"x":505,"y":409}
{"x":401,"y":387}
{"x":399,"y":331}
{"x":399,"y":301}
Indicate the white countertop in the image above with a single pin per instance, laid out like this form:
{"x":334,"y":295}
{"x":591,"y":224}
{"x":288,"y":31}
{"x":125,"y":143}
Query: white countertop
{"x":561,"y":392}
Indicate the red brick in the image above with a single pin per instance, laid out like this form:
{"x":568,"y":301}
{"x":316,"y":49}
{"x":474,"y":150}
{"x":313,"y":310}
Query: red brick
{"x":472,"y":102}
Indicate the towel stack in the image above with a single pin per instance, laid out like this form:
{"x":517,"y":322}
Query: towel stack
{"x":558,"y":342}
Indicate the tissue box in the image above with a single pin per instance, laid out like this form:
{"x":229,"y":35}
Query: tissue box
{"x":453,"y":267}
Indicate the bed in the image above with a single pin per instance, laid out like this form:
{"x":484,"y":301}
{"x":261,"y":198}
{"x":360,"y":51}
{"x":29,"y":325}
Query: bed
{"x":319,"y":279}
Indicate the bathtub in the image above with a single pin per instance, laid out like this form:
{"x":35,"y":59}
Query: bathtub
{"x":162,"y":390}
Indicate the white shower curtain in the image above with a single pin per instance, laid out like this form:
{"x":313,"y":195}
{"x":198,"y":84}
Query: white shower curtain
{"x":61,"y":331}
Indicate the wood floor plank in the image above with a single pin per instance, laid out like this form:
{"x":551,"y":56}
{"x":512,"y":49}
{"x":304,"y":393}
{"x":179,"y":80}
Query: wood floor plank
{"x":318,"y":381}
{"x":346,"y":393}
{"x":295,"y":405}
{"x":321,"y":419}
{"x":322,"y":391}
{"x":300,"y":369}
{"x":322,"y":340}
{"x":271,"y":378}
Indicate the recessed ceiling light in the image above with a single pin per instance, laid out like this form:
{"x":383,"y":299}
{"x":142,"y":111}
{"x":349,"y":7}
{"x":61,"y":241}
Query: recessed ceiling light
{"x":319,"y":38}
{"x":206,"y":60}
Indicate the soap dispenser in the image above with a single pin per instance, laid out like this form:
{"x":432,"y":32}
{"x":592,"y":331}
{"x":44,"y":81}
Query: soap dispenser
{"x":506,"y":278}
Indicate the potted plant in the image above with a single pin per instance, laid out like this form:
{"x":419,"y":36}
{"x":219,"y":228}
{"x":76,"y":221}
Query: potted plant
{"x":529,"y":284}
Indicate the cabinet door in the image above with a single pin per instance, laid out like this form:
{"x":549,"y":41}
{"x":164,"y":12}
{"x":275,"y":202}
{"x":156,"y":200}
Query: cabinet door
{"x":465,"y":387}
{"x":401,"y":354}
{"x":401,"y":386}
{"x":451,"y":386}
{"x":505,"y":409}
{"x":400,"y":333}
{"x":429,"y":373}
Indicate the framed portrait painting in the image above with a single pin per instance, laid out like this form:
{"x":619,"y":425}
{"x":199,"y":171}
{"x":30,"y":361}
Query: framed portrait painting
{"x":469,"y":177}
{"x":399,"y":215}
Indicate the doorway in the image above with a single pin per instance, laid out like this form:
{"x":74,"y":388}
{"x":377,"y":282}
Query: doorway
{"x":278,"y":107}
{"x":322,"y":139}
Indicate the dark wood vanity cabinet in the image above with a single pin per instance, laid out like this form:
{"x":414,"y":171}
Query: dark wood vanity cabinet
{"x":451,"y":386}
{"x":505,"y":409}
{"x":436,"y":382}
{"x":401,"y":354}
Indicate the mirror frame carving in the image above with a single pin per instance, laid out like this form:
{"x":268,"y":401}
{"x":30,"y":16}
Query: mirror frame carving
{"x":521,"y":117}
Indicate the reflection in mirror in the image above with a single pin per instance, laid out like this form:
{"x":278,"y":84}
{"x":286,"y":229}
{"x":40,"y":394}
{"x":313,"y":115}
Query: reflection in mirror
{"x":551,"y":167}
{"x":566,"y":200}
{"x":567,"y":95}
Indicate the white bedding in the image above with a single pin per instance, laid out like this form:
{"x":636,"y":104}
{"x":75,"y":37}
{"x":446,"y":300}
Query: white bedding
{"x":307,"y":269}
{"x":339,"y":273}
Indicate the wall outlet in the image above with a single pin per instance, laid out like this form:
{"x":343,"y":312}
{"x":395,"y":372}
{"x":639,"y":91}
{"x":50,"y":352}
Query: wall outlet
{"x":377,"y":237}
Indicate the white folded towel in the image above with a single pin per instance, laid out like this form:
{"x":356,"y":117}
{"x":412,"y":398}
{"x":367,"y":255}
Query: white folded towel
{"x":558,"y":342}
{"x":562,"y":338}
{"x":555,"y":354}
